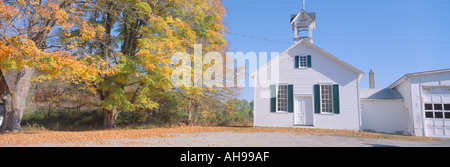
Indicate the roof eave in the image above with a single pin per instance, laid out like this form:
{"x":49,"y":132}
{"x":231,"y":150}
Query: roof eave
{"x":407,"y":76}
{"x":398,"y":82}
{"x":359,"y":72}
{"x":265,"y":65}
{"x":307,"y":15}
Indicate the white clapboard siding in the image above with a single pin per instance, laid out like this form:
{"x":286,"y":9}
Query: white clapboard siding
{"x":411,"y":88}
{"x":383,"y":115}
{"x":324,"y":71}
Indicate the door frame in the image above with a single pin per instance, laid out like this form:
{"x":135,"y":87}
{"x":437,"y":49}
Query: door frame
{"x":308,"y":115}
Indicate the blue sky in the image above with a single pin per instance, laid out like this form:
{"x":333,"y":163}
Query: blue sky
{"x":392,"y":37}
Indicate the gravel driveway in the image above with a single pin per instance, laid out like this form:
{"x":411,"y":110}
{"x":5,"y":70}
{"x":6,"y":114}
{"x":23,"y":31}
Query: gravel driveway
{"x":259,"y":139}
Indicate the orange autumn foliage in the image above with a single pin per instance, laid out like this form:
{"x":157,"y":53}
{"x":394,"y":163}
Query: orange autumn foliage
{"x":24,"y":46}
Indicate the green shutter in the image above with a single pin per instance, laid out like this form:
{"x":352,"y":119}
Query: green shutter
{"x":309,"y":61}
{"x":336,"y":103}
{"x":317,"y":99}
{"x":273,"y":98}
{"x":297,"y":59}
{"x":290,"y":98}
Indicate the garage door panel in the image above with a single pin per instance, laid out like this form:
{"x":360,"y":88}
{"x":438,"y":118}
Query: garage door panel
{"x":446,"y":98}
{"x":439,"y":123}
{"x":427,"y":99}
{"x":429,"y":123}
{"x":447,"y":123}
{"x":429,"y":131}
{"x":436,"y":98}
{"x":439,"y":131}
{"x":436,"y":114}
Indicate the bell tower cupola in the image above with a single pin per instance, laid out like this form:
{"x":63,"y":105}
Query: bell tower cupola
{"x":302,"y":24}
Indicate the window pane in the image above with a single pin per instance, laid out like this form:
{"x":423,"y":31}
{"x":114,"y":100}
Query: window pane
{"x":326,"y":98}
{"x":438,"y":115}
{"x":303,"y":61}
{"x":428,"y":107}
{"x":447,"y":115}
{"x":437,"y":106}
{"x":447,"y":107}
{"x":429,"y":114}
{"x":282,"y":98}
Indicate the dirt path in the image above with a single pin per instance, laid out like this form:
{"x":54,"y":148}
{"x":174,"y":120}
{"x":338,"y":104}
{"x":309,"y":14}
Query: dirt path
{"x":216,"y":137}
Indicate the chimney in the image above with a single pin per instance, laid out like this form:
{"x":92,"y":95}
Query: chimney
{"x":372,"y":79}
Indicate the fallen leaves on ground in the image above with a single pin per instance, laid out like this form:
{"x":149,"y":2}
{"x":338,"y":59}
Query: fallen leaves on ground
{"x":350,"y":133}
{"x":28,"y":138}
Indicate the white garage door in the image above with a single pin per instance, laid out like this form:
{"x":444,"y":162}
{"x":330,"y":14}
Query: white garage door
{"x":437,"y":112}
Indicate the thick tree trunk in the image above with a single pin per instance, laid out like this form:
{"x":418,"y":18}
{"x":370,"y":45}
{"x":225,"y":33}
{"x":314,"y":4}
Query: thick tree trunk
{"x":5,"y":95}
{"x":14,"y":96}
{"x":109,"y":118}
{"x":15,"y":101}
{"x":7,"y":101}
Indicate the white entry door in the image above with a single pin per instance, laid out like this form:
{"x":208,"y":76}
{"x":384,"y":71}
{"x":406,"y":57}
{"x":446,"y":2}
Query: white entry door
{"x":303,"y":111}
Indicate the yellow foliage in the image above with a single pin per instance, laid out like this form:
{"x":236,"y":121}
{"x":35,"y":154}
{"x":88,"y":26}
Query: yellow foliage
{"x":171,"y":26}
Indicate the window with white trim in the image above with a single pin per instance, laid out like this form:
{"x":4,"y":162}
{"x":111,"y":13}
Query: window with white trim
{"x":437,"y":111}
{"x":326,"y":98}
{"x":303,"y":61}
{"x":282,"y":98}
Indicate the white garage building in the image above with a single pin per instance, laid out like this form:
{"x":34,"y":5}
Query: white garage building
{"x":417,"y":104}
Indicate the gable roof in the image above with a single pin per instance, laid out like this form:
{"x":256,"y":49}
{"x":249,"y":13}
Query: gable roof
{"x":386,"y":93}
{"x":311,"y":16}
{"x":405,"y":77}
{"x":303,"y":42}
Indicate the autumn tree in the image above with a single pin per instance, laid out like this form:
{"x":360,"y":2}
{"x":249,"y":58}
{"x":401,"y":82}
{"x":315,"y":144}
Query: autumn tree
{"x":208,"y":76}
{"x":139,"y":39}
{"x":118,"y":50}
{"x":27,"y":28}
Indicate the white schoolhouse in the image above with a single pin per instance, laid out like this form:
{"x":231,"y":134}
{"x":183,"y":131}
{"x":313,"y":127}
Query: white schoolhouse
{"x":313,"y":88}
{"x":305,"y":86}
